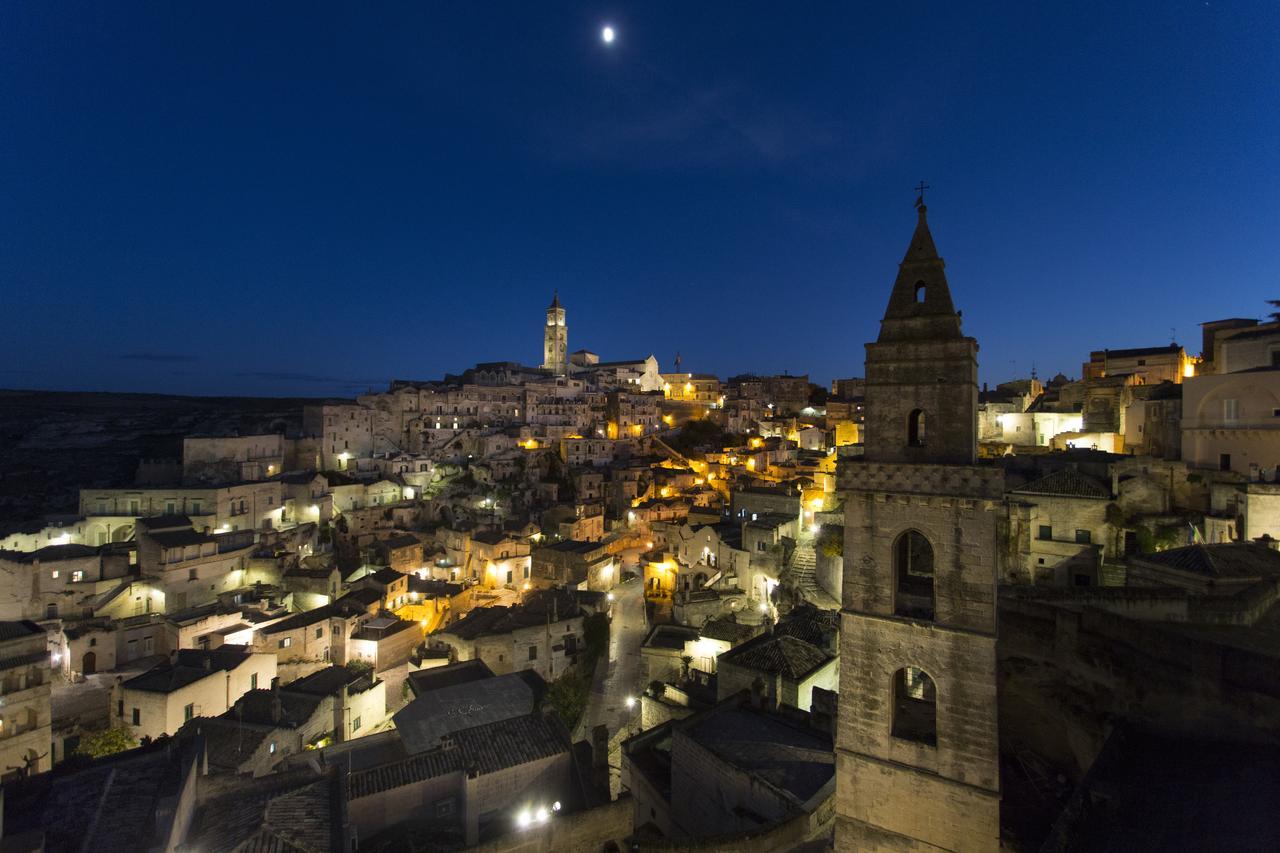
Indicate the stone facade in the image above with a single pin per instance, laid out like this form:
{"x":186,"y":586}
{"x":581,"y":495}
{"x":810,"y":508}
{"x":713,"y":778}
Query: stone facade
{"x":917,"y":739}
{"x":555,"y":340}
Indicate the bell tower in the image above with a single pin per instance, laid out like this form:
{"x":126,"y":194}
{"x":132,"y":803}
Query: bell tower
{"x":555,"y":339}
{"x":917,"y":748}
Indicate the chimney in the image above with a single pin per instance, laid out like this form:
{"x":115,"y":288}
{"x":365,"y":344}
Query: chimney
{"x":277,"y":708}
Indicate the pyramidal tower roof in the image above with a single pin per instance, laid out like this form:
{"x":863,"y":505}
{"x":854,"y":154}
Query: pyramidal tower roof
{"x":555,"y":300}
{"x":920,"y":306}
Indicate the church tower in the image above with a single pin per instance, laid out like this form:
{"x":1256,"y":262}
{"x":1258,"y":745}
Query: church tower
{"x":917,"y":749}
{"x":555,"y":340}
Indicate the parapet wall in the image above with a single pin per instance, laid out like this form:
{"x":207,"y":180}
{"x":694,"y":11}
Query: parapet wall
{"x":1067,"y":675}
{"x":971,"y":481}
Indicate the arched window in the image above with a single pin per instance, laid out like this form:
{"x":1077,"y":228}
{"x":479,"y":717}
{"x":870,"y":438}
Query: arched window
{"x":920,"y":291}
{"x":915,"y":706}
{"x":915,"y":428}
{"x":913,"y":576}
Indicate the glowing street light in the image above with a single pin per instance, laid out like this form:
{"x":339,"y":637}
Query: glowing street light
{"x":607,"y":35}
{"x":631,"y":702}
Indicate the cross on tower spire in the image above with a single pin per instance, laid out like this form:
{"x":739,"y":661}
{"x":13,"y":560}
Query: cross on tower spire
{"x":920,"y":190}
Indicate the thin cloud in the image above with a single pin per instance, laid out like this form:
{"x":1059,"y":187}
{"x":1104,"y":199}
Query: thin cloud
{"x":715,"y":126}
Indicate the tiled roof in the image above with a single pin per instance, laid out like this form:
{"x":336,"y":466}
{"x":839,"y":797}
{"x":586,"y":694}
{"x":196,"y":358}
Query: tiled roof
{"x":324,"y":682}
{"x":788,"y":656}
{"x":19,"y":628}
{"x":434,"y":678}
{"x":811,"y":624}
{"x":180,"y":538}
{"x":188,"y":668}
{"x":480,"y":750}
{"x":1229,"y":559}
{"x":49,"y":554}
{"x":728,"y":630}
{"x":1067,"y":483}
{"x":442,"y":711}
{"x":278,"y":813}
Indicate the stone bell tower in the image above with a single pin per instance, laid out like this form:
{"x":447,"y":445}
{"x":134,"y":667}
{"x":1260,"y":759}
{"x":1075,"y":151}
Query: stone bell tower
{"x":917,"y":749}
{"x":555,"y":339}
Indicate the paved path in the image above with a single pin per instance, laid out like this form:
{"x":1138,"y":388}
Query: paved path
{"x":620,"y":677}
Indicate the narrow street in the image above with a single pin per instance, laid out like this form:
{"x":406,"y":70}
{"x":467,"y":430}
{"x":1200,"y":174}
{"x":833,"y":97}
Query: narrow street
{"x":620,"y":676}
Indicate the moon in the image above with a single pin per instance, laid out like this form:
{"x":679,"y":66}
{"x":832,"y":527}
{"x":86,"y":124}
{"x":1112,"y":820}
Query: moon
{"x":607,"y":35}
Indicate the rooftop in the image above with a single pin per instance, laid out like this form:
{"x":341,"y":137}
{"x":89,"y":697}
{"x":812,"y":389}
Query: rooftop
{"x":480,"y":750}
{"x":788,"y":656}
{"x":188,"y":667}
{"x":328,"y":681}
{"x":789,"y":757}
{"x":1067,"y":483}
{"x":447,"y":676}
{"x":1224,"y":560}
{"x":442,"y":711}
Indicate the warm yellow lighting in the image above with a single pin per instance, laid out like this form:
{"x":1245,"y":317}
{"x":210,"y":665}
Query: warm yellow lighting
{"x":816,"y":503}
{"x":757,"y":442}
{"x":1188,"y":370}
{"x":751,"y":464}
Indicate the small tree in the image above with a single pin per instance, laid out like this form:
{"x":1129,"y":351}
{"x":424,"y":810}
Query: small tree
{"x":360,"y":667}
{"x":106,"y":742}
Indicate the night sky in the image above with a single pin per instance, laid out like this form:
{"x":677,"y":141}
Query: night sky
{"x":311,"y":199}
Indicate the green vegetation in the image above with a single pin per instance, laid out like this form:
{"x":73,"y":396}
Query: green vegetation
{"x":569,"y":693}
{"x":701,"y":434}
{"x":831,"y":541}
{"x":106,"y":742}
{"x":1161,"y":538}
{"x":360,"y":667}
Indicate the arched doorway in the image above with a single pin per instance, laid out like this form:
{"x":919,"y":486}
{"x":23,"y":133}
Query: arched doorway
{"x":90,"y":664}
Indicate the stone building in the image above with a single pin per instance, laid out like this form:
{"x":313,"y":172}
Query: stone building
{"x":196,"y":683}
{"x":1229,"y":422}
{"x":1148,"y":365}
{"x":26,"y":715}
{"x":917,"y":748}
{"x":1059,"y":527}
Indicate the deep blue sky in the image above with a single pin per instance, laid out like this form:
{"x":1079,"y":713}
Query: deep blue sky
{"x":276,"y":198}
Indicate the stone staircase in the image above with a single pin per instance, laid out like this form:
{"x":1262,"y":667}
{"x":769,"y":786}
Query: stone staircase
{"x":800,"y":574}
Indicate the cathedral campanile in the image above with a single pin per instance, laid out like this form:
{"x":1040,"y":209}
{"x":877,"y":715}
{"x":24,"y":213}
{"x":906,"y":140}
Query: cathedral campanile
{"x":555,"y":340}
{"x":917,"y":748}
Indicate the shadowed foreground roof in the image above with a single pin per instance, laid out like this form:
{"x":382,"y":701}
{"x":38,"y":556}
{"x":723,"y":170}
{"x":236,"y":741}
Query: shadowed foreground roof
{"x":789,"y":757}
{"x":1068,"y":484}
{"x":1221,"y":560}
{"x":443,"y":711}
{"x":480,"y":750}
{"x":297,"y":810}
